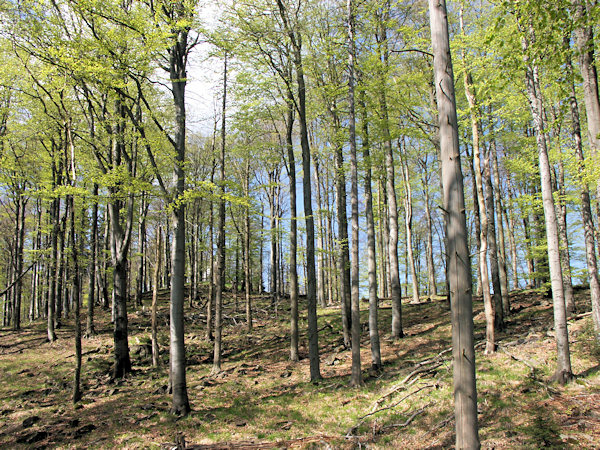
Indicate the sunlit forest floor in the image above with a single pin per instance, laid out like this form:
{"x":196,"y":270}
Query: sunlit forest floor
{"x":262,"y":400}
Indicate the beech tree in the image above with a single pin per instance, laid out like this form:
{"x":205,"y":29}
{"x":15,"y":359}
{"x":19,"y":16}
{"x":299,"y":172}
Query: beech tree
{"x":459,"y":268}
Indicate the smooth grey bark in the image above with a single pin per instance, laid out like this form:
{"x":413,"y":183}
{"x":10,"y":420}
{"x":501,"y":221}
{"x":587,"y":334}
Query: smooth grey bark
{"x":76,"y":300}
{"x":273,"y":232}
{"x":501,"y":253}
{"x":488,"y":304}
{"x":584,"y":38}
{"x":311,"y":291}
{"x":320,"y":239}
{"x":141,"y":242}
{"x":377,"y":364}
{"x":408,"y":225}
{"x":586,"y":208}
{"x":210,"y":304}
{"x":178,"y":55}
{"x":356,"y":377}
{"x":247,"y":248}
{"x":459,"y":267}
{"x":220,"y":272}
{"x":20,"y":205}
{"x":120,"y":239}
{"x":491,"y":231}
{"x":155,"y":286}
{"x":392,"y":216}
{"x":381,"y":247}
{"x":477,"y":223}
{"x":291,"y":164}
{"x":563,"y":372}
{"x":563,"y":237}
{"x":90,"y":329}
{"x":54,"y":208}
{"x":425,"y":179}
{"x":343,"y":259}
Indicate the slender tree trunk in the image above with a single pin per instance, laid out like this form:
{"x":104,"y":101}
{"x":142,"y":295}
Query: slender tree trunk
{"x":459,"y":267}
{"x":344,"y":251}
{"x":155,"y":285}
{"x":586,"y":208}
{"x":178,"y":55}
{"x":584,"y":37}
{"x":247,"y":231}
{"x":392,"y":216}
{"x":491,"y":231}
{"x":212,"y":276}
{"x":563,"y":372}
{"x":320,"y":241}
{"x":489,"y":306}
{"x":273,"y":278}
{"x":220,"y":273}
{"x":408,"y":216}
{"x":371,"y":255}
{"x":356,"y":378}
{"x":76,"y":303}
{"x":311,"y":291}
{"x":54,"y":211}
{"x":565,"y":254}
{"x":90,"y":329}
{"x":500,"y":227}
{"x":429,"y":251}
{"x":21,"y":203}
{"x":294,"y":336}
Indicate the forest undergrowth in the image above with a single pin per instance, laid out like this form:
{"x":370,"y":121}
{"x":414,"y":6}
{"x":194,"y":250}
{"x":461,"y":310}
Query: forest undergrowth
{"x":262,"y":400}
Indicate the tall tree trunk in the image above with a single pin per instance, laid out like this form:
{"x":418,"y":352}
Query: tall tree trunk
{"x":155,"y":286}
{"x":212,"y":275}
{"x":489,"y":306}
{"x":584,"y":37}
{"x":320,"y":241}
{"x":429,"y":251}
{"x":494,"y":263}
{"x":311,"y":291}
{"x":76,"y":303}
{"x":343,"y":248}
{"x":247,"y":231}
{"x":500,"y":226}
{"x":54,"y":212}
{"x":220,"y":272}
{"x":20,"y":206}
{"x":563,"y":237}
{"x":294,"y":336}
{"x":586,"y":208}
{"x":408,"y":219}
{"x":377,"y":365}
{"x":90,"y":329}
{"x":382,"y":248}
{"x":459,"y":267}
{"x":392,"y":216}
{"x":356,"y":377}
{"x":563,"y":370}
{"x":274,"y":272}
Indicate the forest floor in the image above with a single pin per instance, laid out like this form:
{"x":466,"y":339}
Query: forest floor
{"x":262,"y":400}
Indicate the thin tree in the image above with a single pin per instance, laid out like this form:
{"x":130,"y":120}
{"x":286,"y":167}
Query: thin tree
{"x":220,"y":272}
{"x":311,"y":292}
{"x":563,"y":372}
{"x":356,"y":378}
{"x":155,"y":286}
{"x":458,"y":261}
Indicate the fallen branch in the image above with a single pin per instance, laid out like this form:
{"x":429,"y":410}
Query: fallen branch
{"x":361,"y":420}
{"x":410,"y":419}
{"x":580,"y":316}
{"x":435,"y":385}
